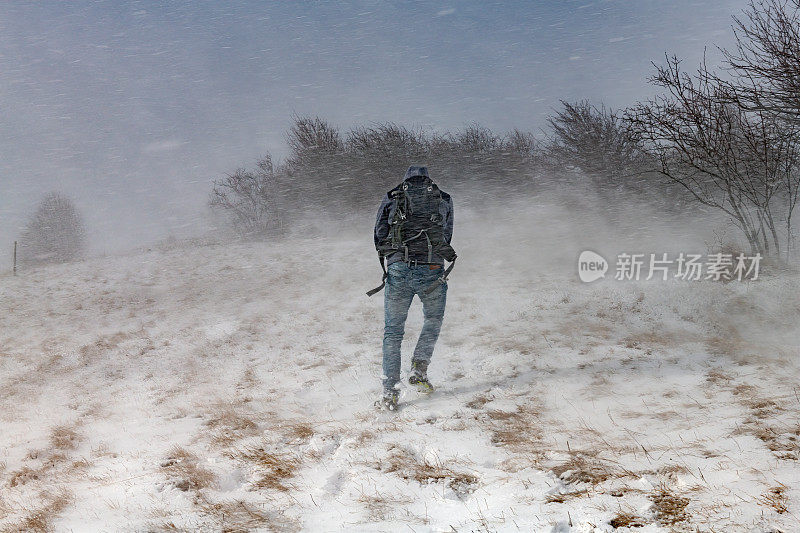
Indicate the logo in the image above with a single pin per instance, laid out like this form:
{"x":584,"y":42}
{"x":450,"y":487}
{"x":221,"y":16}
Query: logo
{"x":591,"y":266}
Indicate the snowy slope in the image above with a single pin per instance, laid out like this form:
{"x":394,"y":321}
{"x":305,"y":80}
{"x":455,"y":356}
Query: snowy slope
{"x":230,"y":388}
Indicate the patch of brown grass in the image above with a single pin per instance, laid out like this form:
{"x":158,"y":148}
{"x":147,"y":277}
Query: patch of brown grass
{"x":582,"y":469}
{"x":274,"y":469}
{"x":732,"y":345}
{"x":775,"y":498}
{"x":648,"y":339}
{"x":365,"y":436}
{"x":516,"y":430}
{"x":298,"y":432}
{"x":230,"y":426}
{"x":102,"y":345}
{"x":64,"y":437}
{"x":780,"y":440}
{"x":23,"y":476}
{"x":381,"y":507}
{"x":238,"y":516}
{"x":623,"y":519}
{"x":45,"y":470}
{"x":478,"y":401}
{"x":408,"y":467}
{"x":186,"y":472}
{"x":41,"y":518}
{"x":248,"y":380}
{"x":322,"y":361}
{"x":672,"y":471}
{"x":718,"y":377}
{"x":668,"y":507}
{"x":495,"y":414}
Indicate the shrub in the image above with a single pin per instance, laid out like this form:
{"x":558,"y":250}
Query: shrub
{"x":55,"y":233}
{"x":247,"y":199}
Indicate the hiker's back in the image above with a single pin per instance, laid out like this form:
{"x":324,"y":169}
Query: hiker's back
{"x":412,"y":233}
{"x":415,"y":222}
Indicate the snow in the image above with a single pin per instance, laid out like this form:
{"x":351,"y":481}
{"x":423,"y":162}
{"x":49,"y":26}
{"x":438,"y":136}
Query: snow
{"x":161,"y":388}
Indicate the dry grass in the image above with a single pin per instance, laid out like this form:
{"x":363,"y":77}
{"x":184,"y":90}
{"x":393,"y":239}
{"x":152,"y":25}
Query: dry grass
{"x":52,"y":461}
{"x":647,"y":340}
{"x":781,"y":440}
{"x":672,"y":471}
{"x":731,"y":345}
{"x":184,"y":469}
{"x":42,"y":517}
{"x":668,"y":507}
{"x":274,"y":469}
{"x":229,"y":426}
{"x":775,"y":498}
{"x":381,"y":507}
{"x":519,"y":430}
{"x":229,"y":516}
{"x":238,"y":516}
{"x":478,"y":402}
{"x":718,"y":377}
{"x":64,"y":438}
{"x":298,"y":432}
{"x":408,"y":467}
{"x":102,"y":345}
{"x":624,"y":519}
{"x":501,"y":415}
{"x":365,"y":436}
{"x":24,"y":475}
{"x":583,"y":469}
{"x":248,"y":380}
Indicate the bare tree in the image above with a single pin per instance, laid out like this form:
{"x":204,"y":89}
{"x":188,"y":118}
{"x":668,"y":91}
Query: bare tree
{"x":488,"y":164}
{"x":309,"y":138}
{"x":766,"y":59}
{"x":520,"y":143}
{"x":595,"y":141}
{"x":379,"y":154}
{"x":55,"y":232}
{"x":765,"y":65}
{"x":317,"y":175}
{"x":477,"y":140}
{"x":387,"y":141}
{"x":726,"y":157}
{"x":247,"y":198}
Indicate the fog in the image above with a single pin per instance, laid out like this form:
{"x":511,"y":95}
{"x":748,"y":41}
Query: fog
{"x":132,"y":110}
{"x":186,"y":343}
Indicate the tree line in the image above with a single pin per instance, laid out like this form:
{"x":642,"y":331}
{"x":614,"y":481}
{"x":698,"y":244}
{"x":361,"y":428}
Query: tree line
{"x":726,"y":140}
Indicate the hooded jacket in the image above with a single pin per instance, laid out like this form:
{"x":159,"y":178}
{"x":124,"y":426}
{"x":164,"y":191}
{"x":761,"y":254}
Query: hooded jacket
{"x":382,"y":220}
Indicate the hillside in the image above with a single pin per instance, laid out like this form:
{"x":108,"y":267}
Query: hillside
{"x":230,"y":387}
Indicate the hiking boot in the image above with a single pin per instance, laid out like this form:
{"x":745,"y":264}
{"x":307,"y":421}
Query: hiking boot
{"x":389,"y":400}
{"x":419,"y":376}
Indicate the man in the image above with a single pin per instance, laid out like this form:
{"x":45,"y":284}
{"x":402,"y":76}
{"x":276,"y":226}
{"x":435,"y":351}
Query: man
{"x":412,"y":233}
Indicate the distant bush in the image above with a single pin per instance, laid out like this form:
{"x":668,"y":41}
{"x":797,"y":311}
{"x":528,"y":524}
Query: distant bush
{"x":332,"y":172}
{"x":247,"y":199}
{"x":596,"y":142}
{"x":55,"y":233}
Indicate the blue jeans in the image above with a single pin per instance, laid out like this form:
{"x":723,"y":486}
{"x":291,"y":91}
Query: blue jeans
{"x":402,"y":284}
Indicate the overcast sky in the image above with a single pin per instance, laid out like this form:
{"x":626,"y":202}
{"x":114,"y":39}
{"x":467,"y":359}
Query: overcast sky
{"x":132,"y":108}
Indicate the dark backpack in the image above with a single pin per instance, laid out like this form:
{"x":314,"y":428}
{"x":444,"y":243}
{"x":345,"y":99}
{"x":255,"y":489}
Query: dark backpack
{"x":416,"y":226}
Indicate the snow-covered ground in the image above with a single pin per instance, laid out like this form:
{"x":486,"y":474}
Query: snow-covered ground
{"x":230,"y":388}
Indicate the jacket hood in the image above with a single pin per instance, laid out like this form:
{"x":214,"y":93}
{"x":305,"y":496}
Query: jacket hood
{"x":414,"y":170}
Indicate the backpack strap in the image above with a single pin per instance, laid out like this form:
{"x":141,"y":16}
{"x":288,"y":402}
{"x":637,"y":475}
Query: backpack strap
{"x":380,"y":287}
{"x":441,"y":279}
